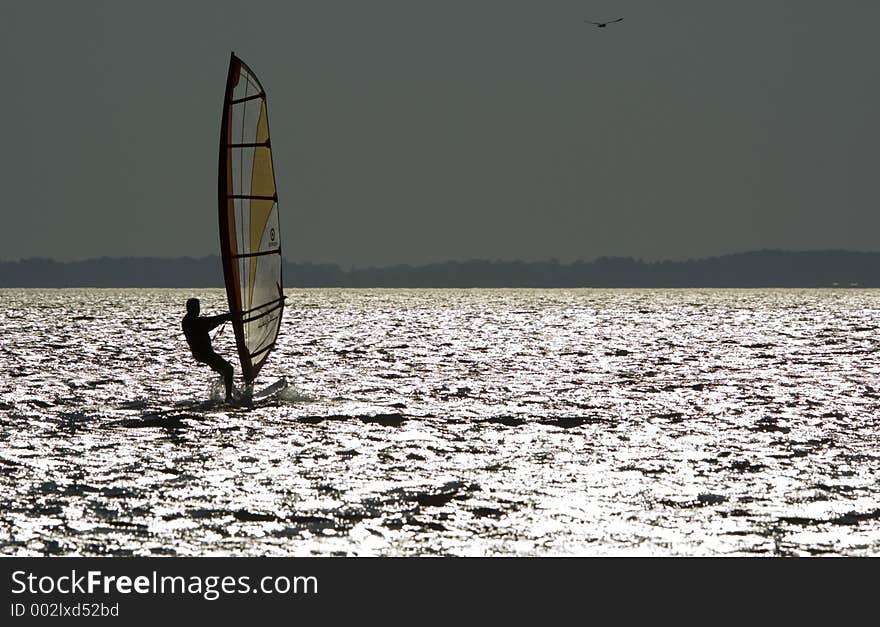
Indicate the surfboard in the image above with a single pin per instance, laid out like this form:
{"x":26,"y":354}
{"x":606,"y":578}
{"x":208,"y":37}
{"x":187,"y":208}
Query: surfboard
{"x":270,"y":390}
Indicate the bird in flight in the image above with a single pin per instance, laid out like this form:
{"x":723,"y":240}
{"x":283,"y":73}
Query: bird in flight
{"x":604,"y":24}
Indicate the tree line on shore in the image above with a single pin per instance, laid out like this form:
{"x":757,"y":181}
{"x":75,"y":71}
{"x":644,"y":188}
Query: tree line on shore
{"x":766,"y":268}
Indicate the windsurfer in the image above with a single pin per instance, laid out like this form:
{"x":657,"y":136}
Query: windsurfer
{"x":196,"y":329}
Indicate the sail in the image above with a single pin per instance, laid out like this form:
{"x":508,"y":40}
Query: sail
{"x":250,"y":235}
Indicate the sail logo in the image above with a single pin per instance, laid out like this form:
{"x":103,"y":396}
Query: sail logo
{"x":272,"y":234}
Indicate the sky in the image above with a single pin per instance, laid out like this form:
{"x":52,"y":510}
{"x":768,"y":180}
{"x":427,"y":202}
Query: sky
{"x":408,"y":131}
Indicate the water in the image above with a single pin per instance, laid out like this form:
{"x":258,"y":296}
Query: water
{"x":447,"y":422}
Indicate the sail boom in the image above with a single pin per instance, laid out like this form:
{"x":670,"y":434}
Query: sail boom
{"x":273,"y":304}
{"x":263,"y":314}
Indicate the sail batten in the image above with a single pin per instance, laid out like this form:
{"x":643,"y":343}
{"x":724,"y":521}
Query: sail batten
{"x":257,"y":254}
{"x":252,"y":197}
{"x":252,"y":145}
{"x":250,"y":234}
{"x":246,"y":98}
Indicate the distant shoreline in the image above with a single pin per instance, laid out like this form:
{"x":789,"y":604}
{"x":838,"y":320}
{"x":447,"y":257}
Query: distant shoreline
{"x":764,"y":268}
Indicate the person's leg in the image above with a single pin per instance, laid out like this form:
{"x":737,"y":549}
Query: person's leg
{"x":218,"y":364}
{"x":227,"y":378}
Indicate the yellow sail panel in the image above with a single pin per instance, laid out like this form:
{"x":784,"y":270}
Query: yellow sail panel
{"x":262,"y":184}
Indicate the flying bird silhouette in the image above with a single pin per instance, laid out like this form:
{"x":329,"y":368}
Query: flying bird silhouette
{"x":604,"y":24}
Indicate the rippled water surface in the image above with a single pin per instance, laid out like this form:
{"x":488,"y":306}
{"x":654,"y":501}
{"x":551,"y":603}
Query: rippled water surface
{"x":447,"y":422}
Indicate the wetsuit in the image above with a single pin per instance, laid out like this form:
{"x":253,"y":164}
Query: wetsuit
{"x":197,"y":331}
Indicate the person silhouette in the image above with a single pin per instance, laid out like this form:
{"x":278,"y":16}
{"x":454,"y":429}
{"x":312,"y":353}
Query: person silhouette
{"x":197,"y":331}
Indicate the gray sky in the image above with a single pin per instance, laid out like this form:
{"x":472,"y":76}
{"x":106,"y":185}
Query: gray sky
{"x":412,"y":131}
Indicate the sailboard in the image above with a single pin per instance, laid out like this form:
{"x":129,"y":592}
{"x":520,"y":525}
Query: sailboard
{"x":250,"y":233}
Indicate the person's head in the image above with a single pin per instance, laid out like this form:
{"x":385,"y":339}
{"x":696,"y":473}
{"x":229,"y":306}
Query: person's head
{"x":193,"y":306}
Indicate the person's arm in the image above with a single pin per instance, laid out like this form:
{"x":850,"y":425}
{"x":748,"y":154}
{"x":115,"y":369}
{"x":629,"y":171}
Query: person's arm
{"x":216,"y":321}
